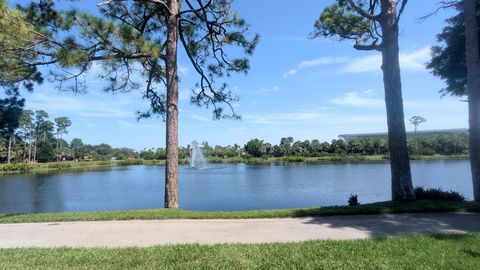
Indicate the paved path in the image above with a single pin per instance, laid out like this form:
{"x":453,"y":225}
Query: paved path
{"x":161,"y":232}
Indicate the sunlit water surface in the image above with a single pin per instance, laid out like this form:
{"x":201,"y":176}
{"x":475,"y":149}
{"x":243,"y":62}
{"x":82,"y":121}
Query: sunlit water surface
{"x":221,"y":186}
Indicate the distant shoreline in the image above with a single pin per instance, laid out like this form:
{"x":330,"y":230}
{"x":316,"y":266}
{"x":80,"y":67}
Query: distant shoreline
{"x":57,"y":166}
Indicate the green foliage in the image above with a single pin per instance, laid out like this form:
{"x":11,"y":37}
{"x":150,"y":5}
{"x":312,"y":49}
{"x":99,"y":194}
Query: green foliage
{"x":59,"y":165}
{"x":128,"y":38}
{"x":45,"y":151}
{"x":294,"y":159}
{"x":441,"y":144}
{"x":15,"y":37}
{"x":353,"y":200}
{"x":437,"y":194}
{"x":255,"y":148}
{"x":130,"y":162}
{"x":340,"y":20}
{"x":62,"y":124}
{"x":21,"y":167}
{"x":448,"y":59}
{"x":10,"y":114}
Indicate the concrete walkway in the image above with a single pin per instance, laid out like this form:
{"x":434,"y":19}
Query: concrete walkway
{"x":161,"y":232}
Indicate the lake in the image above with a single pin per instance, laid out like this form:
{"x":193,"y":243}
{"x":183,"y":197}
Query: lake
{"x":220,"y":187}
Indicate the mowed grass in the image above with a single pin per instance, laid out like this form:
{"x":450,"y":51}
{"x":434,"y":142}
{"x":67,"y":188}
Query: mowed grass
{"x":374,"y":208}
{"x":411,"y":252}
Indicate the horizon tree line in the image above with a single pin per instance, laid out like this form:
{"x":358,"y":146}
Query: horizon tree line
{"x":36,"y":136}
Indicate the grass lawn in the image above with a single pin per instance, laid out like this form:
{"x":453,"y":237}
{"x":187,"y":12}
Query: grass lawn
{"x":412,"y":252}
{"x":374,"y":208}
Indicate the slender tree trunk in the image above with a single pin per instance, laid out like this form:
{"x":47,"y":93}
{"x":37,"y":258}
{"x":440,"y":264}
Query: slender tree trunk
{"x":35,"y":152}
{"x":24,"y":154}
{"x":9,"y":152}
{"x":56,"y":150}
{"x":402,"y":188}
{"x":30,"y":148}
{"x":473,"y":85}
{"x":171,"y":171}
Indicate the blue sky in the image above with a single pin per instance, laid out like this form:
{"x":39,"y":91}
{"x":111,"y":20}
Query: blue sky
{"x":307,"y":89}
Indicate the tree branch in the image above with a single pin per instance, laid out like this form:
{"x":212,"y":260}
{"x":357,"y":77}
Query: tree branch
{"x":362,"y":12}
{"x":402,"y":8}
{"x":371,"y":47}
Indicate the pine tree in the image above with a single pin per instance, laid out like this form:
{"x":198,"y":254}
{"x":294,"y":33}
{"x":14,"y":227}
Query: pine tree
{"x":373,"y":25}
{"x":133,"y":38}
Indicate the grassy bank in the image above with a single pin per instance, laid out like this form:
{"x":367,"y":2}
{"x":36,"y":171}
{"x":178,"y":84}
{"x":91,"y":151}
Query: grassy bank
{"x":31,"y":167}
{"x":411,"y":252}
{"x":374,"y":208}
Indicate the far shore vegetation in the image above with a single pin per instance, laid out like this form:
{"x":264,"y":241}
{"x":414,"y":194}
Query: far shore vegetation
{"x":52,"y":166}
{"x":420,"y":206}
{"x":38,"y":145}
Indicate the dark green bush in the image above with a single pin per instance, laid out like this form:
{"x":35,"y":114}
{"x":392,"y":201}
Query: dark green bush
{"x":59,"y":165}
{"x":437,"y":194}
{"x":130,"y":162}
{"x":293,"y":159}
{"x":21,"y":167}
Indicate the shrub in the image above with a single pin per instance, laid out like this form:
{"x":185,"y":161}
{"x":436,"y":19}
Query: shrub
{"x":130,"y":162}
{"x":22,"y":167}
{"x":353,"y":200}
{"x":59,"y":165}
{"x":104,"y":163}
{"x":437,"y":194}
{"x":293,"y":159}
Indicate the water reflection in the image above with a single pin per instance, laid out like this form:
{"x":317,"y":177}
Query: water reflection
{"x":222,"y":187}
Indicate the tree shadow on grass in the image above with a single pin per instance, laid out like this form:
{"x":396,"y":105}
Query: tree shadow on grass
{"x":473,"y":253}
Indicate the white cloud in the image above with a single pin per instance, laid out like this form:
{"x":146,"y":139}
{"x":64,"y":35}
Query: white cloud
{"x":316,"y":62}
{"x":315,"y":118}
{"x":265,"y":90}
{"x":363,"y":99}
{"x":200,"y":118}
{"x":365,"y":64}
{"x":411,"y":61}
{"x":281,"y":118}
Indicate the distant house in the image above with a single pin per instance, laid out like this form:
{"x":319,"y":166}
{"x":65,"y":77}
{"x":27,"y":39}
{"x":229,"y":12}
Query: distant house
{"x":422,"y":133}
{"x":87,"y":158}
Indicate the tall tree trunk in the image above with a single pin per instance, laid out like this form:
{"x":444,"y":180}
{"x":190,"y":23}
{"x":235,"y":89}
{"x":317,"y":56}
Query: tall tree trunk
{"x":402,"y":188}
{"x":9,"y":151}
{"x":24,"y":153}
{"x":171,"y":171}
{"x":35,"y":152}
{"x":56,"y":150}
{"x":30,"y":148}
{"x":473,"y":85}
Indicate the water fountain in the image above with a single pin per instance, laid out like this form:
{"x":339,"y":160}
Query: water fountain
{"x":197,"y":159}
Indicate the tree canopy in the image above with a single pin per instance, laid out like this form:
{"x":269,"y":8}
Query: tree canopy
{"x":448,"y":59}
{"x":17,"y":38}
{"x":129,"y":38}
